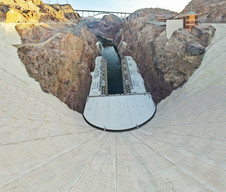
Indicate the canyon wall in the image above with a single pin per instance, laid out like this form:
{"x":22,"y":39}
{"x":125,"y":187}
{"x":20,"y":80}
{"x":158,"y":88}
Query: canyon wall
{"x":209,"y":11}
{"x":107,"y":27}
{"x":164,"y":64}
{"x":59,"y":53}
{"x":60,"y":59}
{"x":35,"y":11}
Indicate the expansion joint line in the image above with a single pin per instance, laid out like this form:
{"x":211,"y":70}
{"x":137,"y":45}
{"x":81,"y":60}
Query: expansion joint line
{"x":88,"y":165}
{"x":174,"y":164}
{"x":47,"y":162}
{"x":116,"y":164}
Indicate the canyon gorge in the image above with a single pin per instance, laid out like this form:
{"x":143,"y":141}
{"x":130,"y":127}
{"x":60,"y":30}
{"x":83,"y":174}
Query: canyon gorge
{"x":60,"y":52}
{"x":51,"y":66}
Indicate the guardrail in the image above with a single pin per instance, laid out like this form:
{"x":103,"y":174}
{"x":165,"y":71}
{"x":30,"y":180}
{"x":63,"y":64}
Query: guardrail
{"x":85,"y":13}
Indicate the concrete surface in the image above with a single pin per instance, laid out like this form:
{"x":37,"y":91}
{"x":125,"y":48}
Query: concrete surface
{"x":137,"y":82}
{"x":119,"y":112}
{"x":99,"y":78}
{"x":172,"y":26}
{"x":46,"y":147}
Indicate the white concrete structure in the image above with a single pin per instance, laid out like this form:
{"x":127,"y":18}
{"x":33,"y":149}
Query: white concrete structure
{"x":120,"y":112}
{"x":46,"y":147}
{"x":172,"y":26}
{"x":98,"y":78}
{"x":98,"y":46}
{"x":137,"y":82}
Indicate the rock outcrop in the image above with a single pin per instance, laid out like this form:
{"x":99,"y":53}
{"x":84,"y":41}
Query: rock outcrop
{"x":60,"y":59}
{"x":59,"y":53}
{"x":164,"y":64}
{"x":106,"y":28}
{"x":35,"y":11}
{"x":151,"y":14}
{"x":177,"y":58}
{"x":210,"y":11}
{"x":3,"y":10}
{"x":67,"y":12}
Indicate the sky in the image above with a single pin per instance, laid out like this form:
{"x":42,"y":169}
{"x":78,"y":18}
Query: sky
{"x":124,"y":5}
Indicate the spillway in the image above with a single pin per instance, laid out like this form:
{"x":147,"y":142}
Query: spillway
{"x":46,"y":147}
{"x":118,"y":112}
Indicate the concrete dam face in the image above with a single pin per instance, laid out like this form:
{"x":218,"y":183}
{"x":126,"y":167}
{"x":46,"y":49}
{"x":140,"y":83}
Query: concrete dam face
{"x":45,"y":146}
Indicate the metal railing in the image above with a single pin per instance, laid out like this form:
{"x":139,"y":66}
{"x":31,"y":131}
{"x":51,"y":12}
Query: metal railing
{"x":85,"y":13}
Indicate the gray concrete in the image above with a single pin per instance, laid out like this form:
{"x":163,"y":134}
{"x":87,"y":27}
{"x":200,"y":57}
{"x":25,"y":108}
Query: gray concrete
{"x":172,"y":26}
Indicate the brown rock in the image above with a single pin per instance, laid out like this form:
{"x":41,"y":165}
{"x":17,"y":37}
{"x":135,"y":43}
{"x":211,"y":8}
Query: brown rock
{"x":61,"y":63}
{"x":204,"y":33}
{"x":107,"y":27}
{"x":152,"y":14}
{"x":177,"y":58}
{"x":26,"y":16}
{"x":3,"y":10}
{"x":2,"y":16}
{"x":35,"y":11}
{"x":164,"y":64}
{"x":210,"y":11}
{"x":37,"y":2}
{"x":67,"y":12}
{"x":35,"y":33}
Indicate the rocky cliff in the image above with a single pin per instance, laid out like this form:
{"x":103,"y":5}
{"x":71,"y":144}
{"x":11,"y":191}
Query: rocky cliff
{"x":150,"y":14}
{"x":35,"y":11}
{"x":60,"y":58}
{"x":59,"y":53}
{"x":106,"y":28}
{"x":210,"y":11}
{"x":164,"y":64}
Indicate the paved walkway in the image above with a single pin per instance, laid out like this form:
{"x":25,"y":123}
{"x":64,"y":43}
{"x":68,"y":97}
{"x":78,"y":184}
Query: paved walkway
{"x":46,"y":147}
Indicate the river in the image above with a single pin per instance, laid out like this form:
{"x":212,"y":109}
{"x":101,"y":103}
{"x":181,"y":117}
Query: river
{"x":114,"y":69}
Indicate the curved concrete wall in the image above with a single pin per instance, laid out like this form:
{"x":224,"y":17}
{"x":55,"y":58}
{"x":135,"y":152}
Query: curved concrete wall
{"x":44,"y":146}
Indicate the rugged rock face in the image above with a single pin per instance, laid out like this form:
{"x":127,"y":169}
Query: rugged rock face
{"x":151,"y":14}
{"x":3,"y":10}
{"x":35,"y":11}
{"x":210,"y":11}
{"x":177,"y":58}
{"x":164,"y":64}
{"x":60,"y":59}
{"x":59,"y":54}
{"x":107,"y":27}
{"x":67,"y":12}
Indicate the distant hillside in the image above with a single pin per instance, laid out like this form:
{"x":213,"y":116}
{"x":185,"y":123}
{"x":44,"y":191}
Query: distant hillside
{"x":210,"y":11}
{"x":153,"y":14}
{"x":35,"y":11}
{"x":107,"y":27}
